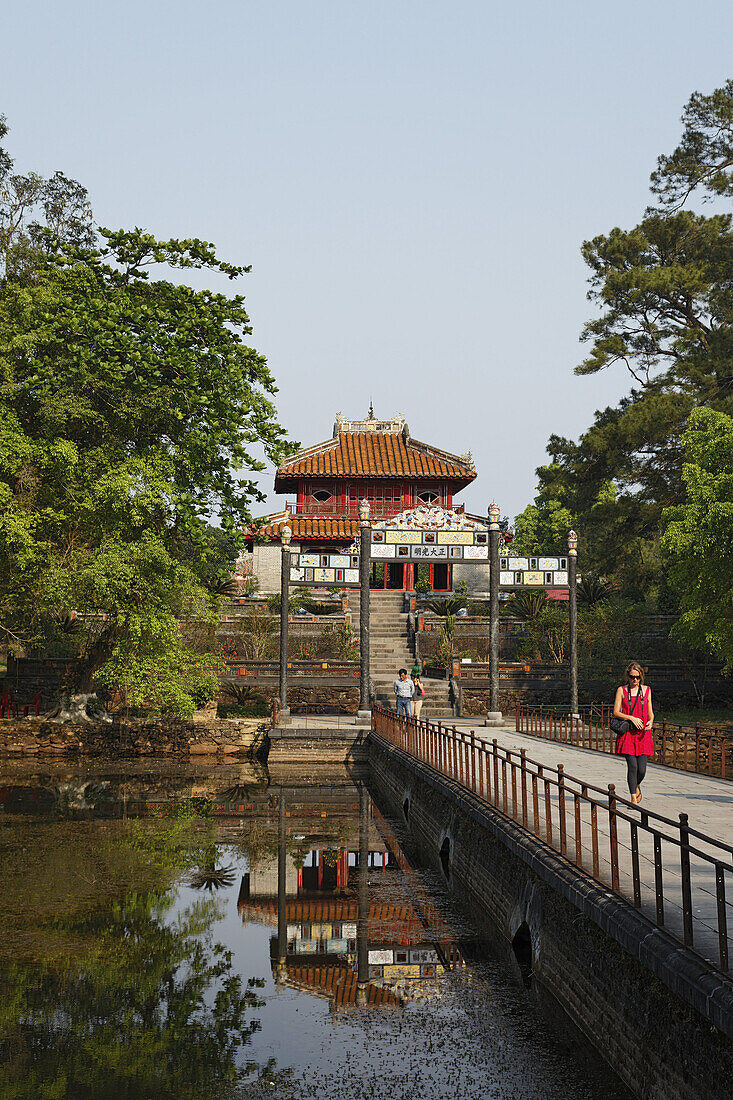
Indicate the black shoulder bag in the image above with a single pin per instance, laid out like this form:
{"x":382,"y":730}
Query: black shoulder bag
{"x":620,"y":726}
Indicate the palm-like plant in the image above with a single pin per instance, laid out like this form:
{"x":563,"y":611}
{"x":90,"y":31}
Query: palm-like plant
{"x":593,"y":590}
{"x":224,"y":586}
{"x":448,"y":605}
{"x":527,"y":606}
{"x":209,"y":876}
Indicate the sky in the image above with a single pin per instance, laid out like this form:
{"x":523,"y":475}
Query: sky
{"x":411,"y":183}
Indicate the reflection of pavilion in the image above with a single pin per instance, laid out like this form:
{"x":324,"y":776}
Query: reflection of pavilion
{"x":338,"y":939}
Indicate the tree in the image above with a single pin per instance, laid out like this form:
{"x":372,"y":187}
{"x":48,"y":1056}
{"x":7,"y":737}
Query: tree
{"x":698,"y":540}
{"x":130,"y":407}
{"x":665,"y":293}
{"x":542,"y":528}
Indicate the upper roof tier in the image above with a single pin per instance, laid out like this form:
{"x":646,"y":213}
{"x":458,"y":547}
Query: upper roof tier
{"x":374,"y":448}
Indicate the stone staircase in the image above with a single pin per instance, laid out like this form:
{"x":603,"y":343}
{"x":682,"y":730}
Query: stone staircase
{"x":390,"y":650}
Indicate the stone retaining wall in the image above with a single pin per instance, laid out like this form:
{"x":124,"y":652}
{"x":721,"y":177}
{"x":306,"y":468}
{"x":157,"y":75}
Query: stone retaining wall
{"x":230,"y":737}
{"x":656,"y":1012}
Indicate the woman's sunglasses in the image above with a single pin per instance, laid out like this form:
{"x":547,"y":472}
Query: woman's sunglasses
{"x":634,"y":676}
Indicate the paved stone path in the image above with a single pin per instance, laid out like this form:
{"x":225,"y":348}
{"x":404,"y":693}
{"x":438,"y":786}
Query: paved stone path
{"x":667,"y":791}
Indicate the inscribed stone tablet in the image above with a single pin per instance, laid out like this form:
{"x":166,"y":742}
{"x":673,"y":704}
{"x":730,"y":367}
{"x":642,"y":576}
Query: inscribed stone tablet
{"x":394,"y":973}
{"x":397,"y":535}
{"x":297,"y":574}
{"x":341,"y":561}
{"x":325,"y":576}
{"x":533,"y":576}
{"x":455,"y":538}
{"x":476,"y":553}
{"x":380,"y":958}
{"x":561,"y":577}
{"x":548,"y":563}
{"x":382,"y":551}
{"x":310,"y":561}
{"x":351,"y":576}
{"x":518,"y":563}
{"x":506,"y":578}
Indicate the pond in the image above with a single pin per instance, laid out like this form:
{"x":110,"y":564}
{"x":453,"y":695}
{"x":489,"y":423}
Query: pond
{"x":199,"y":931}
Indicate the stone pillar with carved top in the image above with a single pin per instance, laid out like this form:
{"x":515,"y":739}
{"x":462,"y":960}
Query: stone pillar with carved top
{"x":365,"y":563}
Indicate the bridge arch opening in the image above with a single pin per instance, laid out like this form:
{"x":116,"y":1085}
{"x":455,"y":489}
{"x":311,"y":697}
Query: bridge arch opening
{"x":522,"y":947}
{"x":445,"y":857}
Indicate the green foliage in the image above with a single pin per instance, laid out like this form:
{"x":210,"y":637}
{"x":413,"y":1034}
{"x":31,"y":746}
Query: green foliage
{"x":698,"y":541}
{"x":546,"y":635}
{"x":258,"y":633}
{"x":704,"y":157}
{"x":171,"y":681}
{"x":156,"y":1011}
{"x":446,"y":642}
{"x":527,"y":606}
{"x":542,"y":528}
{"x":593,"y":590}
{"x":243,"y":702}
{"x":129,"y":410}
{"x":446,"y":605}
{"x":664,"y":290}
{"x":339,"y":642}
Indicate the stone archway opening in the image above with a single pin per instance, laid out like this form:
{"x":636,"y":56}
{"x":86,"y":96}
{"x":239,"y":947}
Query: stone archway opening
{"x":522,"y":947}
{"x":445,"y":857}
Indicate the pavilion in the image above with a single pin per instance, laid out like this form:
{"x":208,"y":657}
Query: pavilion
{"x":373,"y":459}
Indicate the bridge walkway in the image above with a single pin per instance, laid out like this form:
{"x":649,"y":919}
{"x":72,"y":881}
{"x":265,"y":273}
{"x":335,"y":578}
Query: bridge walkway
{"x":707,"y":801}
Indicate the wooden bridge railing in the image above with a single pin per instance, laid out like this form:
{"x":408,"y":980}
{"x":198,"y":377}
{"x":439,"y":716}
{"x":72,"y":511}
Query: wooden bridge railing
{"x":704,"y":749}
{"x":588,"y":825}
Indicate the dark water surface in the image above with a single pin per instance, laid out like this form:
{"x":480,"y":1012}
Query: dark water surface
{"x":202,"y":932}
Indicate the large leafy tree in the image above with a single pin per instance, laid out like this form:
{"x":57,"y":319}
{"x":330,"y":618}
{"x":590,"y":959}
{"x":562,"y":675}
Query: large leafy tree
{"x":665,"y":294}
{"x":698,"y":541}
{"x":132,"y":408}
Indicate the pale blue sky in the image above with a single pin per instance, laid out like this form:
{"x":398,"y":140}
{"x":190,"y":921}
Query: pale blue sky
{"x":410,"y":181}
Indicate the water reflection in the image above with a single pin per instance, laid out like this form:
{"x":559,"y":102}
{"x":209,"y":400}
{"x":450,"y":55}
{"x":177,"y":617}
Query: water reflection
{"x":333,"y":939}
{"x":197,"y":932}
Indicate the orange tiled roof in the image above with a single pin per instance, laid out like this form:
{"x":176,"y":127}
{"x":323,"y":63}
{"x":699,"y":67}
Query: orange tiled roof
{"x":374,"y":454}
{"x":328,"y":909}
{"x":339,"y":528}
{"x":340,"y":984}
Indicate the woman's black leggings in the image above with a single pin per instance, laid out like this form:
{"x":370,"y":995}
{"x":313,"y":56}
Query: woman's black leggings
{"x":635,"y":771}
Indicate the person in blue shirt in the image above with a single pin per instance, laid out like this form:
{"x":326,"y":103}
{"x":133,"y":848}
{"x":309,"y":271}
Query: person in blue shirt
{"x":404,"y":691}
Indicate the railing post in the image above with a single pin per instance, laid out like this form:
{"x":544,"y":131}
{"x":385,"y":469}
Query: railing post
{"x":686,"y":884}
{"x":722,"y":918}
{"x":613,"y":829}
{"x":578,"y":836}
{"x":548,"y":810}
{"x":504,"y":792}
{"x":514,"y":785}
{"x":593,"y":834}
{"x":474,"y":784}
{"x":523,"y":765}
{"x":535,"y":804}
{"x":658,"y":879}
{"x":636,"y":879}
{"x":561,"y":804}
{"x":495,"y":745}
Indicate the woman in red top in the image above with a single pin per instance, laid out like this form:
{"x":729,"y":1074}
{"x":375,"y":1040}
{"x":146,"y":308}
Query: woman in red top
{"x":634,"y":703}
